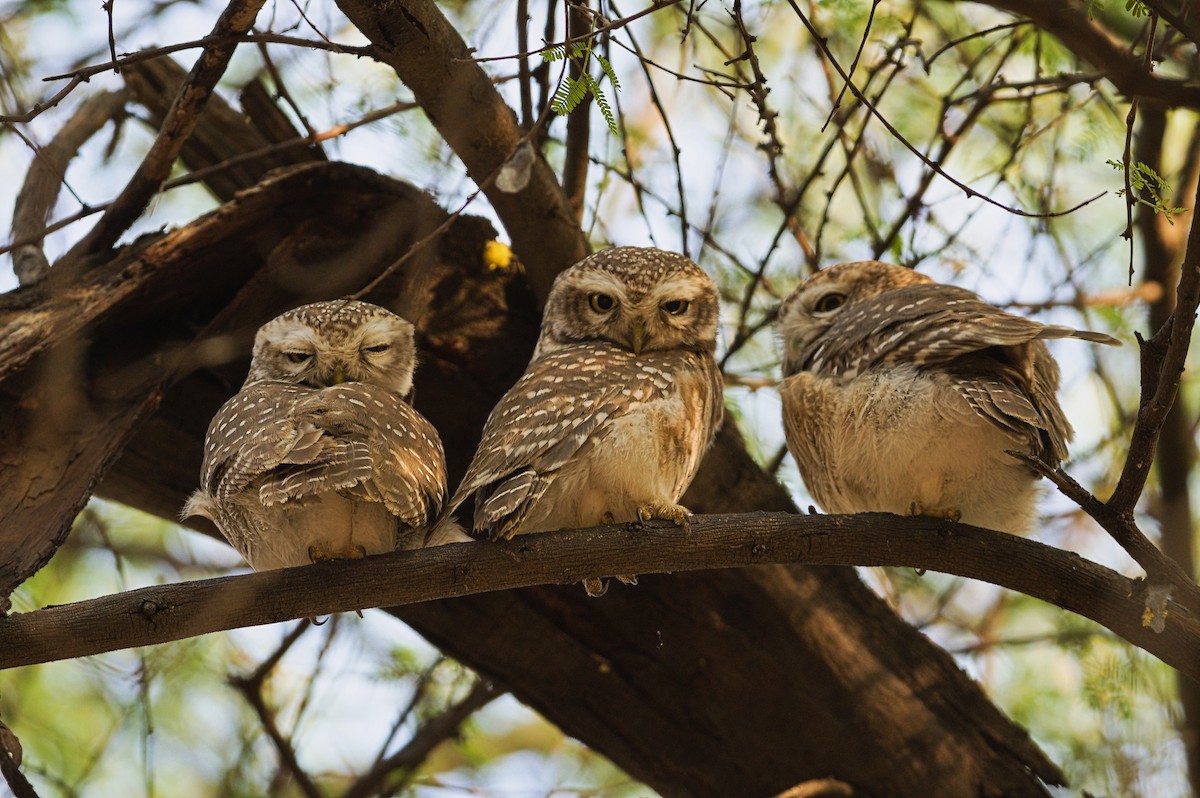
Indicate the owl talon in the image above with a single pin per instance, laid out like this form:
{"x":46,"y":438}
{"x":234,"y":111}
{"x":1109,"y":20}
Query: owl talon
{"x":916,"y":509}
{"x":627,"y":579}
{"x":319,"y":553}
{"x":595,"y":586}
{"x":675,"y":513}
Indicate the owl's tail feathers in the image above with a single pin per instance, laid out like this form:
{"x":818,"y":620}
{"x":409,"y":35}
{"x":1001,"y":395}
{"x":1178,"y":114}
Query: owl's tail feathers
{"x":1057,"y":331}
{"x":199,"y":503}
{"x":446,"y":530}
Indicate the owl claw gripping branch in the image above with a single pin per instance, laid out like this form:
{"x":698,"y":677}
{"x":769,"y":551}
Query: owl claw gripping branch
{"x":903,"y":395}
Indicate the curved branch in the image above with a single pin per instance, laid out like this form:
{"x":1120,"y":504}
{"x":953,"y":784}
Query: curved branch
{"x":46,"y":177}
{"x":1069,"y":22}
{"x":172,"y":612}
{"x":180,"y":122}
{"x":1163,"y":359}
{"x":429,"y":55}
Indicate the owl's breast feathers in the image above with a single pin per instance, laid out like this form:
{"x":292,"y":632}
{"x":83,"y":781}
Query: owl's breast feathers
{"x":569,"y":402}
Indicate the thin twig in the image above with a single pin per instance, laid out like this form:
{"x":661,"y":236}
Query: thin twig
{"x":154,"y":169}
{"x":251,"y":689}
{"x":607,"y":27}
{"x":431,"y":734}
{"x":862,"y":44}
{"x":84,"y":74}
{"x":970,"y":192}
{"x":112,"y":39}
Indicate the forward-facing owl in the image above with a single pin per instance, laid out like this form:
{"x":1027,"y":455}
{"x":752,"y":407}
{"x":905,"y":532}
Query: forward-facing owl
{"x":318,"y":456}
{"x":617,"y":406}
{"x":902,"y":395}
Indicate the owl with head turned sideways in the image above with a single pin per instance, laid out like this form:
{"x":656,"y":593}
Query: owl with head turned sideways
{"x":319,"y":456}
{"x":904,"y":395}
{"x":619,"y":402}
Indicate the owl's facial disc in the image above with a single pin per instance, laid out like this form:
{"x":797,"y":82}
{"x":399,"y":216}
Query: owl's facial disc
{"x":662,"y":317}
{"x":326,"y":344}
{"x":639,"y":300}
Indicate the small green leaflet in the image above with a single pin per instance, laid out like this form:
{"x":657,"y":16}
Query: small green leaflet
{"x":573,"y":91}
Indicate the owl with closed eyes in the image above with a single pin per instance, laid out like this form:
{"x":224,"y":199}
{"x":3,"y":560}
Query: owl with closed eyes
{"x":904,"y":395}
{"x":319,"y":456}
{"x":619,"y":402}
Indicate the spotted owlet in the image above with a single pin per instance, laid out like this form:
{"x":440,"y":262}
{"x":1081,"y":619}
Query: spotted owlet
{"x":902,"y":395}
{"x":617,"y":406}
{"x":318,"y":456}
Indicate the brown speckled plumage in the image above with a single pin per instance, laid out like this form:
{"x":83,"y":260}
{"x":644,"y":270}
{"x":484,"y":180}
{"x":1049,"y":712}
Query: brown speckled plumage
{"x":903,"y":394}
{"x":318,"y":455}
{"x":596,"y":432}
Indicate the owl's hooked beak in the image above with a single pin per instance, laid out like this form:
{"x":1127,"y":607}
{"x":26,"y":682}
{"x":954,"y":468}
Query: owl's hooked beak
{"x":338,"y":376}
{"x":637,"y":337}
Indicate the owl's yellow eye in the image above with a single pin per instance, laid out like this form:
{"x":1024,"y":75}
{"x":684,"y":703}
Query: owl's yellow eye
{"x":675,"y":306}
{"x":298,"y":357}
{"x":601,"y":303}
{"x":829,"y":302}
{"x":377,"y":348}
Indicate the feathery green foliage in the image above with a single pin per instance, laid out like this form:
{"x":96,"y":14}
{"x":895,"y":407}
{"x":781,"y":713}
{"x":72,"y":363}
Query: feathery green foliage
{"x":572,"y":91}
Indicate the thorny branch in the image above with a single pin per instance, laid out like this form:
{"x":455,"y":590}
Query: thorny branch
{"x":1126,"y":158}
{"x":891,"y":129}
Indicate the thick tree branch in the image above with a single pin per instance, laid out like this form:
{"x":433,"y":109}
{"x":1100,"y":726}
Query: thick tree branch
{"x":1163,"y":359}
{"x":429,"y":55}
{"x":1175,"y":457}
{"x":46,"y":177}
{"x":172,"y":612}
{"x":1068,"y":21}
{"x":181,"y":120}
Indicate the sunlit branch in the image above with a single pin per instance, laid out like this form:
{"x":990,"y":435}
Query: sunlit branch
{"x":164,"y":613}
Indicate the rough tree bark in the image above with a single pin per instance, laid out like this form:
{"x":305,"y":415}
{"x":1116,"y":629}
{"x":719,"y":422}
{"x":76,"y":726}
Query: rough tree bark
{"x":1175,"y":457}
